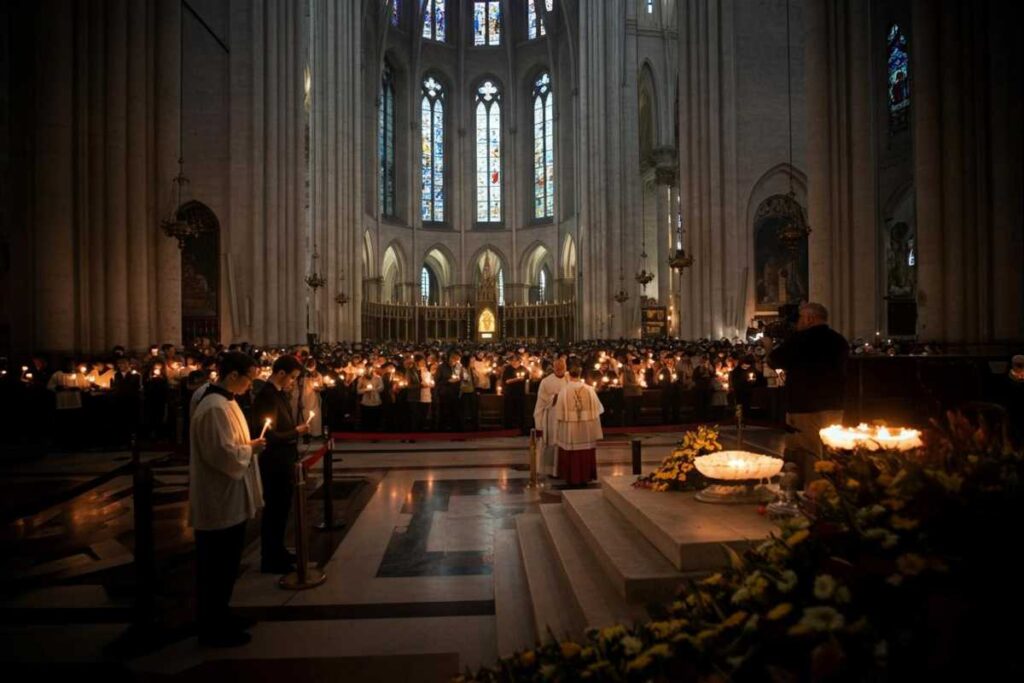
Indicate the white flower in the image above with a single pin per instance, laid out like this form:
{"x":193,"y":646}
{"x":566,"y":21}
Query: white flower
{"x":822,"y":619}
{"x":867,"y":514}
{"x":788,"y":581}
{"x":887,"y":538}
{"x":824,"y":587}
{"x":632,"y":645}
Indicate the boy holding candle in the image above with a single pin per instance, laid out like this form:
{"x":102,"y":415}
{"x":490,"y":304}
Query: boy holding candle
{"x":277,"y":463}
{"x":225,"y":492}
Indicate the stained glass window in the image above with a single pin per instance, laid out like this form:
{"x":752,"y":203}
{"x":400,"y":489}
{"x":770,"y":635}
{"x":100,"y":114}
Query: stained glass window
{"x":534,"y":24}
{"x":396,"y":8}
{"x":501,"y":287}
{"x":435,"y":19}
{"x":425,"y":285}
{"x":899,"y":79}
{"x":432,"y":166}
{"x":649,"y":5}
{"x":543,"y":148}
{"x":488,"y":153}
{"x":542,"y":286}
{"x":487,"y":23}
{"x":386,"y":141}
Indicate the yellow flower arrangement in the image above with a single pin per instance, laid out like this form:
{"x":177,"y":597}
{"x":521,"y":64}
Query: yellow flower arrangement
{"x":677,"y":472}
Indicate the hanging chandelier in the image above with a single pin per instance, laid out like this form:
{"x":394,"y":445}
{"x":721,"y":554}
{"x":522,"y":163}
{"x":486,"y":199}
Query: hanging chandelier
{"x":314,"y":280}
{"x":793,"y":230}
{"x":176,"y":224}
{"x":643,"y":276}
{"x":341,"y":298}
{"x":680,"y":260}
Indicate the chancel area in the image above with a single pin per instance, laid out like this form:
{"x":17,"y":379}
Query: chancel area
{"x":511,"y":340}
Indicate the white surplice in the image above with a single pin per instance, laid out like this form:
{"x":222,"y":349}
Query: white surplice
{"x":544,"y":419}
{"x":224,"y":477}
{"x":578,"y":411}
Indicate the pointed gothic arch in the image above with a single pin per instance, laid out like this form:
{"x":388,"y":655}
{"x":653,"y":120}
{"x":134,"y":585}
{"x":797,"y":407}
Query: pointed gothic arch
{"x":200,"y":274}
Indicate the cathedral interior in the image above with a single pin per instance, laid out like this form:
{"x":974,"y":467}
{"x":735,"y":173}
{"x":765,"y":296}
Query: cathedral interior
{"x":658,"y":184}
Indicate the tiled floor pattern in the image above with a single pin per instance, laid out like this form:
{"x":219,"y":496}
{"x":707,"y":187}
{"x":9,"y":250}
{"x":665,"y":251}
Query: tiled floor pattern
{"x":412,"y":576}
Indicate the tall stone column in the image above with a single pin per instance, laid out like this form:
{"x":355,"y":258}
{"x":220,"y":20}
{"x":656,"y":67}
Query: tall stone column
{"x":336,"y":134}
{"x":116,"y":162}
{"x":842,"y":201}
{"x":665,"y":180}
{"x":140,"y":216}
{"x":53,"y":244}
{"x":707,"y":162}
{"x":167,"y":304}
{"x":966,"y":70}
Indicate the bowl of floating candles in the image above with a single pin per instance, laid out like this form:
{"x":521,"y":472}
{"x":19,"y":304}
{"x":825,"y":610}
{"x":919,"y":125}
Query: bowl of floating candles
{"x":737,"y":476}
{"x":869,"y":437}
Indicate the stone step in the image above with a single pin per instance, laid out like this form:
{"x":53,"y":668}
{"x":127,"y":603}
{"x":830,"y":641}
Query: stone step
{"x":596,"y":596}
{"x":689,"y":533}
{"x":554,"y":609}
{"x":512,"y":614}
{"x":634,"y":567}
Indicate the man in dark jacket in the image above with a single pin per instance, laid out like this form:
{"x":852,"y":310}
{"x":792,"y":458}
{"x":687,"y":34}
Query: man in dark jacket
{"x":814,"y":360}
{"x":448,"y":386}
{"x":277,"y":462}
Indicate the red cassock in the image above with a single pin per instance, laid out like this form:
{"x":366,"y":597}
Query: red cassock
{"x":577,"y":467}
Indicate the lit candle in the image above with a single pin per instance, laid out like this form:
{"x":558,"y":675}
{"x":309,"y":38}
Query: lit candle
{"x":82,"y":369}
{"x":266,"y":426}
{"x":213,"y":375}
{"x":309,"y":419}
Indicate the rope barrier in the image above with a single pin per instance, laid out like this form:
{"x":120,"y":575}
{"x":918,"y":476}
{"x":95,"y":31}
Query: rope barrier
{"x":424,"y":436}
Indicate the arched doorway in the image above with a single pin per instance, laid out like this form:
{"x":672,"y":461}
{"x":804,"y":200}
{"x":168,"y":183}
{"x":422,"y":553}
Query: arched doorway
{"x":200,"y":275}
{"x":781,"y":273}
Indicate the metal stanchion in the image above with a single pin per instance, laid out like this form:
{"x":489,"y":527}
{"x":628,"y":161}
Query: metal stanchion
{"x":328,"y":523}
{"x":534,"y":483}
{"x":145,"y":560}
{"x":739,"y":427}
{"x":636,"y":456}
{"x":304,"y":576}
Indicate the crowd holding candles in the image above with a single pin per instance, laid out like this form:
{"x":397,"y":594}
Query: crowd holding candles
{"x":398,"y":387}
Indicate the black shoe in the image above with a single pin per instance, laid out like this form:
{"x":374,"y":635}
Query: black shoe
{"x":228,"y":638}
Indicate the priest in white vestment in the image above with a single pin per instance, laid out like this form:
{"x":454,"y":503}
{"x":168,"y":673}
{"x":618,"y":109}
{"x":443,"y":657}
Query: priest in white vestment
{"x":578,"y":411}
{"x":545,"y":419}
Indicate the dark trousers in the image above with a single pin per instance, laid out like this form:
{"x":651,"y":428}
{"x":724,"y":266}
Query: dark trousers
{"x":277,"y":471}
{"x":370,"y":418}
{"x":419,"y":415}
{"x":389,"y":417}
{"x":450,"y":413}
{"x":469,"y":405}
{"x":667,"y":402}
{"x":632,"y":409}
{"x":218,"y":556}
{"x":514,"y":403}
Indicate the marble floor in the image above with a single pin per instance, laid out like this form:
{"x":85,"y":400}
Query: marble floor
{"x":409,"y":576}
